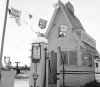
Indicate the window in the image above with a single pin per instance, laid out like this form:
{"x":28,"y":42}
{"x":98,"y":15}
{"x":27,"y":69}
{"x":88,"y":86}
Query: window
{"x":65,"y":56}
{"x":90,"y":59}
{"x":62,"y":31}
{"x":72,"y":57}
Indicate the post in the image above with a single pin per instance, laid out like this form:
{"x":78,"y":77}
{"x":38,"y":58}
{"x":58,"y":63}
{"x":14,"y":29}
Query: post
{"x":44,"y":84}
{"x":17,"y":64}
{"x":3,"y":36}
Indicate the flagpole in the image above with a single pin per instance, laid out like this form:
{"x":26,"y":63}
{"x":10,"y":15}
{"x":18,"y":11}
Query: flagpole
{"x":3,"y":36}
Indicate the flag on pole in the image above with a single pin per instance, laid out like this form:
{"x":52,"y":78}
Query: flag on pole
{"x":17,"y":20}
{"x":9,"y":11}
{"x":14,"y":13}
{"x":42,"y":23}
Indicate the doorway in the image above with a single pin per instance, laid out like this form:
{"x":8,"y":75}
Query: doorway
{"x":53,"y":69}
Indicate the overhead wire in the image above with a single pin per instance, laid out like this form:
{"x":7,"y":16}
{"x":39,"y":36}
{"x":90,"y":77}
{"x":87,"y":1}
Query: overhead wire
{"x":19,"y":42}
{"x":18,"y":47}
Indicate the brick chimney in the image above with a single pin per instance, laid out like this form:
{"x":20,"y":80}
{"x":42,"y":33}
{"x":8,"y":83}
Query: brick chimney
{"x":70,"y":7}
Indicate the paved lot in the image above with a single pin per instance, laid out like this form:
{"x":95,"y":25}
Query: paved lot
{"x":25,"y":82}
{"x":21,"y":83}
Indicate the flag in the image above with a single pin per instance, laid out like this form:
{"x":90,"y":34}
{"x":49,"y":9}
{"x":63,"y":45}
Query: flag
{"x":14,"y":13}
{"x":17,"y":20}
{"x":9,"y":11}
{"x":30,"y":16}
{"x":42,"y":23}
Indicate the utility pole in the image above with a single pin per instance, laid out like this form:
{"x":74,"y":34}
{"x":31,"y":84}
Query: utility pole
{"x":3,"y":36}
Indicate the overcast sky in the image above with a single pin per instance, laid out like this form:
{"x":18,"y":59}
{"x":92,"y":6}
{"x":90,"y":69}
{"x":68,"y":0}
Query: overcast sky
{"x":18,"y":38}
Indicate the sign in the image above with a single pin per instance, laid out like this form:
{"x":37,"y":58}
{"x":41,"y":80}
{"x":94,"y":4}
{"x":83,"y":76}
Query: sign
{"x":42,"y":23}
{"x":89,"y":40}
{"x":62,"y":30}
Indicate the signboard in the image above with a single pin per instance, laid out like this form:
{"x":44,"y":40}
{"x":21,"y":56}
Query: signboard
{"x":89,"y":40}
{"x":42,"y":23}
{"x":62,"y":30}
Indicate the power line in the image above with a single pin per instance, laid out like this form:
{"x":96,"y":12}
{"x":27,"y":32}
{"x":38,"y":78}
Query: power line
{"x":18,"y":47}
{"x":19,"y":42}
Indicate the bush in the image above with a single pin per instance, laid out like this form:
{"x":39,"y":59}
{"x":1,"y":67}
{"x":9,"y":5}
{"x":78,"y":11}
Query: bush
{"x":93,"y":84}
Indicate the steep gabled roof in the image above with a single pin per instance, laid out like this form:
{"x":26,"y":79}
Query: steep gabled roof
{"x":72,"y":20}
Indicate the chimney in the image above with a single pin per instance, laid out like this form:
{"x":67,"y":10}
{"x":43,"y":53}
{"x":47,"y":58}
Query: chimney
{"x":70,"y":7}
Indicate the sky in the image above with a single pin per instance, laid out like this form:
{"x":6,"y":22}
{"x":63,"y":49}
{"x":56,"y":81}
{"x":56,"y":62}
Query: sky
{"x":18,"y":39}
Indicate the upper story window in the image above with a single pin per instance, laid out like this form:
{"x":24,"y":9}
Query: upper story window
{"x":62,"y":30}
{"x":65,"y":58}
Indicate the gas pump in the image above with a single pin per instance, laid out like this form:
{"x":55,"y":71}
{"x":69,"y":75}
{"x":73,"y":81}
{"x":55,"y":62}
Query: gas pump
{"x":38,"y":63}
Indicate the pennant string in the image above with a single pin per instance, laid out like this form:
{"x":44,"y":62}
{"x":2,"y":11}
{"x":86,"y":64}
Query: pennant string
{"x":30,"y":16}
{"x":17,"y":14}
